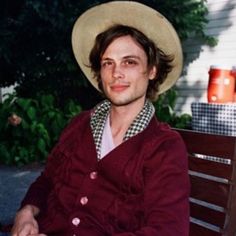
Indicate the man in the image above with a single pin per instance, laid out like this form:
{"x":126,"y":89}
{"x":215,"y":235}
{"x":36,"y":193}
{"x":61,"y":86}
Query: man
{"x":116,"y":170}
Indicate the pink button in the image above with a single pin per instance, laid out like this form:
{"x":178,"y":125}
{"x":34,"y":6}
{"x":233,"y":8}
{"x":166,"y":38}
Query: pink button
{"x":84,"y":200}
{"x":75,"y":221}
{"x":93,"y":175}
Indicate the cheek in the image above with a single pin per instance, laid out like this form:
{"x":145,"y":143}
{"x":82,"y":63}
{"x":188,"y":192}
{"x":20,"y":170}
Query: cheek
{"x":104,"y":81}
{"x":105,"y":74}
{"x":142,"y":82}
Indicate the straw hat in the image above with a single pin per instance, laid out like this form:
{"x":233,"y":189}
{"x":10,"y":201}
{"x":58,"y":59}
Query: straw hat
{"x":154,"y":25}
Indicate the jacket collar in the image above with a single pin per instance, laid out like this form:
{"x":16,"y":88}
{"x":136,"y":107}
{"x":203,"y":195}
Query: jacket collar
{"x":99,"y":116}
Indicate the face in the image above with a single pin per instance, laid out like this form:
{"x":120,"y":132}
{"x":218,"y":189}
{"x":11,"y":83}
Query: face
{"x":124,"y":72}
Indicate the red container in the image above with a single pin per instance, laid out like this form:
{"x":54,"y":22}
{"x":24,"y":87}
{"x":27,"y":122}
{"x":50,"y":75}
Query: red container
{"x":234,"y":75}
{"x":221,"y":85}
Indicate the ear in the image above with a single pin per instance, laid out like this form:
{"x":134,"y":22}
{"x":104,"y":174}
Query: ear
{"x":152,"y":73}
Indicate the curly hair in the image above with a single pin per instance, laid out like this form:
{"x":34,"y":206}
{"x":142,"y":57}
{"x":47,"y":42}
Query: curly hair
{"x":155,"y":56}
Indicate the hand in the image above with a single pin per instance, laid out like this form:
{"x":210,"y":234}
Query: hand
{"x":25,"y":223}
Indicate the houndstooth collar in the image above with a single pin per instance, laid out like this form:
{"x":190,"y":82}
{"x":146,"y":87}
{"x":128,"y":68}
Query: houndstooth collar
{"x":99,"y":117}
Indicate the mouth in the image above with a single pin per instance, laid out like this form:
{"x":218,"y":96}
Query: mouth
{"x":119,"y":87}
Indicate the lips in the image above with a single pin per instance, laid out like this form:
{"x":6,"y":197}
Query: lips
{"x":119,"y":87}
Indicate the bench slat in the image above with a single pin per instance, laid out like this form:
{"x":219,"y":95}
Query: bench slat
{"x":209,"y":191}
{"x":210,"y":167}
{"x":208,"y":144}
{"x":207,"y":215}
{"x":196,"y":230}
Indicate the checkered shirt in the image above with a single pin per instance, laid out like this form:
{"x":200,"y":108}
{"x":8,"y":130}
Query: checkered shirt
{"x":99,"y":116}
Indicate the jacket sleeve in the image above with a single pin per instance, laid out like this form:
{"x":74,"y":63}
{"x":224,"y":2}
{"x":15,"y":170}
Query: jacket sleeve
{"x":39,"y":190}
{"x":166,"y":197}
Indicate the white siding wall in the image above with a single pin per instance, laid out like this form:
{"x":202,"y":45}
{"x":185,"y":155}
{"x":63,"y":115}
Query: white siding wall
{"x":198,"y":58}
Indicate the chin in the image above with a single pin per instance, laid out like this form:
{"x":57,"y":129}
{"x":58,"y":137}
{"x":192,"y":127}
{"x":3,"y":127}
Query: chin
{"x":124,"y":102}
{"x":117,"y":102}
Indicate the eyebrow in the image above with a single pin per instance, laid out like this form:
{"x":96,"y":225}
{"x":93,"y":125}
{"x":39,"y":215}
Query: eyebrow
{"x":125,"y":57}
{"x":132,"y":57}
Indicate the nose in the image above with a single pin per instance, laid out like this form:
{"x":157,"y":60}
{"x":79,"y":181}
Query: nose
{"x":117,"y":72}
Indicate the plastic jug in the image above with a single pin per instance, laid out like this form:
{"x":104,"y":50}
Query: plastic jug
{"x":221,"y":85}
{"x":234,"y":75}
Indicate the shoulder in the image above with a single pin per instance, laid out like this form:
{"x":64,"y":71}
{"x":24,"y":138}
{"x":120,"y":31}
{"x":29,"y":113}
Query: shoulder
{"x":162,"y":132}
{"x":162,"y":141}
{"x":77,"y":123}
{"x":84,"y":116}
{"x":165,"y":146}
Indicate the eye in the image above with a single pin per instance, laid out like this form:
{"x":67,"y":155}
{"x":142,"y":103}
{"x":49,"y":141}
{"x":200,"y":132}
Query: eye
{"x":130,"y":62}
{"x":106,"y":63}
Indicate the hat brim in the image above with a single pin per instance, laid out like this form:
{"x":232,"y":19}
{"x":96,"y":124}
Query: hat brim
{"x":149,"y":21}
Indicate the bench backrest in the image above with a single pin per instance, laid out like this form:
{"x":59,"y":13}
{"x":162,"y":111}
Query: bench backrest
{"x":212,"y":169}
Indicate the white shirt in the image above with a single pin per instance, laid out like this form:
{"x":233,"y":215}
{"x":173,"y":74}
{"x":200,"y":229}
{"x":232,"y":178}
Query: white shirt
{"x":107,"y":144}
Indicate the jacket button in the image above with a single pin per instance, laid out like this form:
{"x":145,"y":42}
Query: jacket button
{"x":84,"y":200}
{"x":75,"y":221}
{"x":93,"y":175}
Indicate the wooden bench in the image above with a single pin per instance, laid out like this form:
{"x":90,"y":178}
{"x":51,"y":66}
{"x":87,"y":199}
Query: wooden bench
{"x":212,"y":169}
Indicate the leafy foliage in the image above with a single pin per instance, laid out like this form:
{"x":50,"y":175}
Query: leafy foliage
{"x":30,"y":127}
{"x":165,"y":110}
{"x":35,"y":46}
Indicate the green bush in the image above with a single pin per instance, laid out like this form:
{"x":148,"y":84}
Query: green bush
{"x":165,"y":110}
{"x":30,"y":127}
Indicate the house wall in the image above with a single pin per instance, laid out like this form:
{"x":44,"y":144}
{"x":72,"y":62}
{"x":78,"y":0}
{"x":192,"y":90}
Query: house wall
{"x":192,"y":86}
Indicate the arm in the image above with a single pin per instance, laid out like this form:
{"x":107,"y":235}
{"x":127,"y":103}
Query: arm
{"x":38,"y":192}
{"x":35,"y":200}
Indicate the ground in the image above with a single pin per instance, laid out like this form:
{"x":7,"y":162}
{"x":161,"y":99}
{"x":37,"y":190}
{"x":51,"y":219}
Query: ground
{"x":14,"y":182}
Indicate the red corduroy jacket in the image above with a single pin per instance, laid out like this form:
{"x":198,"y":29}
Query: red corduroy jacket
{"x":139,"y":188}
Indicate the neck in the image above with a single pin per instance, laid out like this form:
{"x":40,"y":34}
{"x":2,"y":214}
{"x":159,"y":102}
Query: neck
{"x":121,"y":117}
